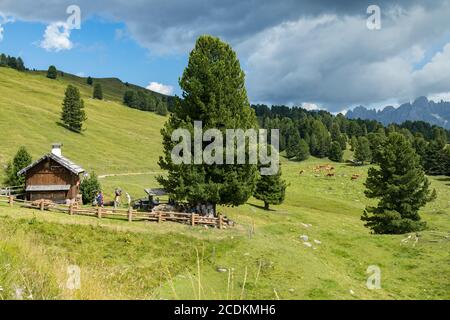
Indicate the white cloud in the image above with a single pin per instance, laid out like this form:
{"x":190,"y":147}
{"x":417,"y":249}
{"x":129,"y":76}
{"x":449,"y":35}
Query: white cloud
{"x":4,"y":19}
{"x":335,"y":61}
{"x":160,"y":88}
{"x":445,"y":96}
{"x":56,"y":37}
{"x":310,"y":106}
{"x":295,"y":51}
{"x":80,"y":74}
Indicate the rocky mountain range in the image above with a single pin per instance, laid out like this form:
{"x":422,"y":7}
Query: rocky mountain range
{"x":422,"y":109}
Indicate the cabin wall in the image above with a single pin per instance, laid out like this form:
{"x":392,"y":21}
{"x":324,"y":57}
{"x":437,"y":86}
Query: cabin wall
{"x":49,"y":172}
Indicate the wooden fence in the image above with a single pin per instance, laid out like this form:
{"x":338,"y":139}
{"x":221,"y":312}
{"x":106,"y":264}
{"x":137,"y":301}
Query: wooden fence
{"x":129,"y":214}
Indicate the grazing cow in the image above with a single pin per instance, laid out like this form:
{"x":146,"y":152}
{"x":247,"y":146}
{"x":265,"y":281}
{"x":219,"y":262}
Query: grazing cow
{"x":355,"y":177}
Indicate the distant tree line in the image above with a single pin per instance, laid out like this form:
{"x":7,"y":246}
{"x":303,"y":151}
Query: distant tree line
{"x":320,"y":133}
{"x":145,"y":101}
{"x":12,"y":62}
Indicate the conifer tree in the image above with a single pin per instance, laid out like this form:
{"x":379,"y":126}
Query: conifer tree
{"x":302,"y":150}
{"x":401,"y":187}
{"x":214,"y":93}
{"x":98,"y":92}
{"x":89,"y":187}
{"x":353,"y":143}
{"x":52,"y":73}
{"x":362,"y":151}
{"x":21,"y":160}
{"x":73,"y":114}
{"x":89,"y":81}
{"x":271,"y":189}
{"x":336,"y":152}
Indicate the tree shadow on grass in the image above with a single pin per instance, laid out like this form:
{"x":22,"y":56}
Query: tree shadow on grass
{"x":62,"y":125}
{"x":261,"y":207}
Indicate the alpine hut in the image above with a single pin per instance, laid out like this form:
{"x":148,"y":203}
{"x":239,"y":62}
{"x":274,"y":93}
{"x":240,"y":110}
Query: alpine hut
{"x":52,"y":177}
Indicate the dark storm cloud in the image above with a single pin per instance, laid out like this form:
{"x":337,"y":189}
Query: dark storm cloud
{"x":293,"y":51}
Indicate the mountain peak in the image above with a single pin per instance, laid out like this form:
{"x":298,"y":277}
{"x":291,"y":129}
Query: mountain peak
{"x":420,"y":110}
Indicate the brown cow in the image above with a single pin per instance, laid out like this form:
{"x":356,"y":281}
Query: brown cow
{"x":355,"y":177}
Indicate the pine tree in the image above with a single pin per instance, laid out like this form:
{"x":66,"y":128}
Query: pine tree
{"x":401,"y":186}
{"x":20,"y":65}
{"x":89,"y":81}
{"x":52,"y":73}
{"x":89,"y":187}
{"x":302,"y":150}
{"x":335,"y":152}
{"x":161,"y":108}
{"x":130,"y":98}
{"x":362,"y":152}
{"x":214,"y":93}
{"x":342,"y":139}
{"x":21,"y":160}
{"x":292,"y":143}
{"x":335,"y":131}
{"x":73,"y":114}
{"x":271,"y":189}
{"x":3,"y":60}
{"x":98,"y":92}
{"x":353,"y":143}
{"x":375,"y":142}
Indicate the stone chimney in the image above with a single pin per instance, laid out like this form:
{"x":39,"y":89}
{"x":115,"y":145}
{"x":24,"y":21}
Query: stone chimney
{"x":56,"y":149}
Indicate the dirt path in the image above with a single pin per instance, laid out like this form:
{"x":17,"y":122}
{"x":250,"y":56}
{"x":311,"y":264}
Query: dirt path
{"x":129,"y":174}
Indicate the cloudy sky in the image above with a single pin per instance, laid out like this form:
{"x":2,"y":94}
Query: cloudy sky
{"x":317,"y":53}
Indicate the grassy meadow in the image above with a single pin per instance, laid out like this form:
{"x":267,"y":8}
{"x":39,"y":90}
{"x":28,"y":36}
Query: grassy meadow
{"x":262,"y":257}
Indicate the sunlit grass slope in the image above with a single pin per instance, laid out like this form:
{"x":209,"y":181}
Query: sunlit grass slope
{"x":117,"y":139}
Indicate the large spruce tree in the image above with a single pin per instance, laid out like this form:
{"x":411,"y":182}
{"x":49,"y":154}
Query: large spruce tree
{"x":214,"y":93}
{"x":401,"y":186}
{"x":73,"y":114}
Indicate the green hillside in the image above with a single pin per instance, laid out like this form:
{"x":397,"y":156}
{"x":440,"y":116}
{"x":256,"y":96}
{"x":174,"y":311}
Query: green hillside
{"x":263,"y":257}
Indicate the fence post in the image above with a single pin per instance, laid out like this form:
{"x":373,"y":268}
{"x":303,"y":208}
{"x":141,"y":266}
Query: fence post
{"x":130,"y":214}
{"x":159,"y":216}
{"x":193,"y":219}
{"x":42,"y":205}
{"x":71,"y":209}
{"x":99,"y":212}
{"x":220,"y":221}
{"x":11,"y":201}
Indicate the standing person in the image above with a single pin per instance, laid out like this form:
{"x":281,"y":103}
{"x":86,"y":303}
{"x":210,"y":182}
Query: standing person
{"x":95,"y":202}
{"x":100,"y":199}
{"x":117,"y":195}
{"x":128,"y":199}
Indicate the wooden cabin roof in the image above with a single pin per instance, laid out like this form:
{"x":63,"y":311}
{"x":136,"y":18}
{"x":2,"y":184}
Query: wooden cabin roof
{"x":51,"y":187}
{"x":66,"y":163}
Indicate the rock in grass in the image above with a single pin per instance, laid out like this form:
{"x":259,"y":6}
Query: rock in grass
{"x":304,"y":237}
{"x":317,"y":241}
{"x":222,"y":269}
{"x":309,"y":245}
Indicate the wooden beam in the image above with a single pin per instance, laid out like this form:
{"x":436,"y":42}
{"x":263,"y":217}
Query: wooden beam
{"x":130,"y":214}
